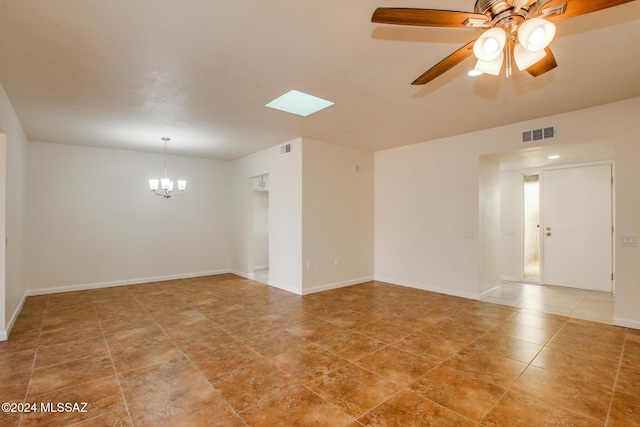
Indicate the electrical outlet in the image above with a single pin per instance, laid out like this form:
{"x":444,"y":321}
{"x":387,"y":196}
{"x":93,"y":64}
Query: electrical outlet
{"x":336,"y":261}
{"x":309,"y":265}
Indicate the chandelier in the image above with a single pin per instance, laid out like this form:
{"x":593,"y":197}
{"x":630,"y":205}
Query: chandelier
{"x":166,"y":185}
{"x":515,"y":38}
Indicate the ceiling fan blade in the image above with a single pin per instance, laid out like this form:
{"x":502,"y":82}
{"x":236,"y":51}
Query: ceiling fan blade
{"x":547,"y":63}
{"x":428,"y":17}
{"x":576,"y":7}
{"x":446,"y":64}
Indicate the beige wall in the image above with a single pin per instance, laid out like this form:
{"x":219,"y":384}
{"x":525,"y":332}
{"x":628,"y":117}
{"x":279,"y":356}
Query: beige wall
{"x":13,"y":281}
{"x":426,"y":197}
{"x":92,"y":220}
{"x":337,"y":216}
{"x":320,"y":209}
{"x":285,"y":214}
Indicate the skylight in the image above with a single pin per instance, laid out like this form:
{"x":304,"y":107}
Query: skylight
{"x":299,"y":103}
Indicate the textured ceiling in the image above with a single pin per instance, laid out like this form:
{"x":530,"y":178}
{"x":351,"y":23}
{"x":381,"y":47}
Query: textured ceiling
{"x":124,"y":73}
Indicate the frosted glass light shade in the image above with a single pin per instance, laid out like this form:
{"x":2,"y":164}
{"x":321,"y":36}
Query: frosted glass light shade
{"x":153,"y":184}
{"x":182,"y":184}
{"x":164,"y":182}
{"x":525,"y":59}
{"x":491,"y":67}
{"x":536,"y":34}
{"x":490,"y":44}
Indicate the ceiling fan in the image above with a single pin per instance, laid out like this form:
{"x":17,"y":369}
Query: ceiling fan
{"x":517,"y":31}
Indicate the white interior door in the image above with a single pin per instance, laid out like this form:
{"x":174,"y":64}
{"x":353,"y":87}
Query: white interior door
{"x":577,"y":227}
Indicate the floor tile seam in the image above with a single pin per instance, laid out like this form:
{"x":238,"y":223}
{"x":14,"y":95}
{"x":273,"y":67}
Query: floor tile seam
{"x":217,"y":390}
{"x":38,"y":396}
{"x":409,"y":390}
{"x":615,"y":381}
{"x":66,"y":360}
{"x":571,"y":377}
{"x":115,"y":373}
{"x":26,"y":392}
{"x":508,"y":389}
{"x":562,"y":408}
{"x":610,"y":390}
{"x":303,"y":385}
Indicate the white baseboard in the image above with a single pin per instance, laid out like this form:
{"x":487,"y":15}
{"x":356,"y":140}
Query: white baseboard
{"x":425,"y":287}
{"x":628,"y":323}
{"x":482,"y":294}
{"x":261,"y":267}
{"x":509,"y":278}
{"x":4,"y":335}
{"x":84,"y":287}
{"x":241,"y":274}
{"x":284,"y":287}
{"x":336,"y":285}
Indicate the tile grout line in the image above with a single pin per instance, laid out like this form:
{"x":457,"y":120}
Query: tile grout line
{"x":615,"y":381}
{"x":233,"y":410}
{"x":113,"y":365}
{"x":508,"y":389}
{"x":33,"y":364}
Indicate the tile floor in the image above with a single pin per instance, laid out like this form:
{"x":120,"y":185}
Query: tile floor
{"x":225,"y":351}
{"x":577,"y":303}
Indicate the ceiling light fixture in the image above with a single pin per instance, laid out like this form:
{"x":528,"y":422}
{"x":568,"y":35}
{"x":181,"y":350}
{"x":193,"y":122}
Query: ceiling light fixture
{"x":166,"y":184}
{"x":525,"y":43}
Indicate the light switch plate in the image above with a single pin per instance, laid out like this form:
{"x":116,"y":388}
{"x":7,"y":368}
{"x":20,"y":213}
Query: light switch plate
{"x":628,"y":240}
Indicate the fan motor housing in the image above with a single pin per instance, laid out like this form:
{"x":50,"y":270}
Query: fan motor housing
{"x":491,"y":7}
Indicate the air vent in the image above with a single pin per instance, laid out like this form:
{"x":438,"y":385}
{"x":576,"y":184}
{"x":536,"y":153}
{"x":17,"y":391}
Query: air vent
{"x":285,"y":148}
{"x":536,"y":135}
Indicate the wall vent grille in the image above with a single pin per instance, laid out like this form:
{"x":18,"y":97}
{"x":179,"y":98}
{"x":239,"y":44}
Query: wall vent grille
{"x":536,"y":135}
{"x":285,"y":148}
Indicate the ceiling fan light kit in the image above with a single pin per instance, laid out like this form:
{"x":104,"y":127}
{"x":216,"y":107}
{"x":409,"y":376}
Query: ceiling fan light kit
{"x":536,"y":34}
{"x":518,"y":30}
{"x":490,"y":45}
{"x":490,"y":67}
{"x":525,"y":59}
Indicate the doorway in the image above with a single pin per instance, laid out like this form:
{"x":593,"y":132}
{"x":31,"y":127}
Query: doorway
{"x":577,"y":227}
{"x":511,"y":286}
{"x":567,"y":227}
{"x":259,"y":247}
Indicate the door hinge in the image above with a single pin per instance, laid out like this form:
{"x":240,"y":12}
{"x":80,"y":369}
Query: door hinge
{"x":612,"y":277}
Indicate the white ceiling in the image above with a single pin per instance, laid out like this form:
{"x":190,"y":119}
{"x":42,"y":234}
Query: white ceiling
{"x":124,"y":73}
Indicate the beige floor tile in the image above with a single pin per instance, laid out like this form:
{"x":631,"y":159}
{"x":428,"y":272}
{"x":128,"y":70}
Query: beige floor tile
{"x":408,"y":409}
{"x":223,"y":350}
{"x":354,"y":389}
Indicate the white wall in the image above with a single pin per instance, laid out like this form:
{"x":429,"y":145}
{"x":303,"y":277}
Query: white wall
{"x":426,"y":196}
{"x":13,"y":275}
{"x":260,"y":229}
{"x":337,"y":216}
{"x":285,"y":214}
{"x":92,"y":220}
{"x":510,"y":225}
{"x":426,"y":199}
{"x":489,"y":229}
